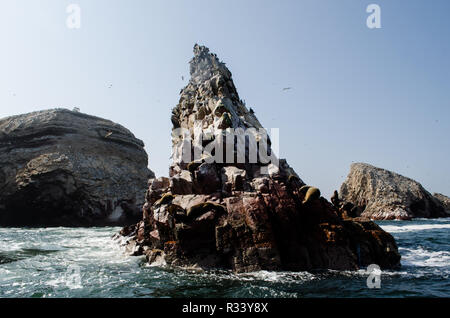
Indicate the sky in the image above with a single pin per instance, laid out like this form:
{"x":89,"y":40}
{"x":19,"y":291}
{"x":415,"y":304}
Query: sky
{"x":380,"y":96}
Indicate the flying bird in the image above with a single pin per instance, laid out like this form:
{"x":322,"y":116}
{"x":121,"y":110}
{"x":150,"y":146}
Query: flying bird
{"x":287,"y":88}
{"x":108,"y":134}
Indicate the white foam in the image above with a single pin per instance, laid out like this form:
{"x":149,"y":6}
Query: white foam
{"x":277,"y":276}
{"x":413,"y":227}
{"x":116,"y":214}
{"x":422,"y":257}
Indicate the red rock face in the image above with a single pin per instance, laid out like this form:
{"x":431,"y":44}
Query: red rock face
{"x":231,"y":216}
{"x":250,"y":231}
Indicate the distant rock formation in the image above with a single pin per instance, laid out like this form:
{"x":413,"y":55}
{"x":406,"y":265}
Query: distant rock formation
{"x":64,"y":168}
{"x":244,"y":216}
{"x":445,"y":201}
{"x":380,"y":194}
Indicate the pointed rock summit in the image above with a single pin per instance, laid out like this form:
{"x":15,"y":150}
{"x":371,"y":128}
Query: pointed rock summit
{"x":231,"y":203}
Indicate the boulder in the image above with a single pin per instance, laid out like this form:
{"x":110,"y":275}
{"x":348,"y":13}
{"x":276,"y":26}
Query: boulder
{"x":380,"y":194}
{"x":206,"y":178}
{"x":66,"y":168}
{"x":245,"y":215}
{"x":181,"y":183}
{"x":156,"y":188}
{"x":233,"y":178}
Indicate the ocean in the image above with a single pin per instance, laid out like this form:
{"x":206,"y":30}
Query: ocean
{"x":86,"y":262}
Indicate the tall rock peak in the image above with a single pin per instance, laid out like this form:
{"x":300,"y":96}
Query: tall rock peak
{"x":208,"y":108}
{"x":209,"y":95}
{"x":204,"y":65}
{"x":244,"y":215}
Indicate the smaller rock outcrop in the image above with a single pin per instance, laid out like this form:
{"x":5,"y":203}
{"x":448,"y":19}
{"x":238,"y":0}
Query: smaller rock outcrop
{"x":65,"y":168}
{"x":445,"y":201}
{"x":380,"y":194}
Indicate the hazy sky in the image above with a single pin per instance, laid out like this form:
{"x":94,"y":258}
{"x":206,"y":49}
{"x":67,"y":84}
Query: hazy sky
{"x":380,"y":96}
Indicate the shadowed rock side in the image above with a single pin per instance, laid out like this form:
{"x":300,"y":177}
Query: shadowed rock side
{"x":65,"y":168}
{"x":380,"y":194}
{"x":235,"y":216}
{"x":445,"y":201}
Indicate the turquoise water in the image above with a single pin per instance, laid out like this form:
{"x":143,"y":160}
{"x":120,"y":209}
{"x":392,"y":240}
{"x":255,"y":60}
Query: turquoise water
{"x":74,"y":262}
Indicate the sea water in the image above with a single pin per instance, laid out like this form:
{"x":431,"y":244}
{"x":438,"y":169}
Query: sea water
{"x":86,"y":262}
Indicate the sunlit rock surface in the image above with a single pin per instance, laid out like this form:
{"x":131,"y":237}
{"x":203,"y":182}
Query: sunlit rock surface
{"x":66,"y":168}
{"x":380,"y":194}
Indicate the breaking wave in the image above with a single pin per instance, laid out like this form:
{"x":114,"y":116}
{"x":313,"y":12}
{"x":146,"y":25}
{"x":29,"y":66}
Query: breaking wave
{"x":425,"y":258}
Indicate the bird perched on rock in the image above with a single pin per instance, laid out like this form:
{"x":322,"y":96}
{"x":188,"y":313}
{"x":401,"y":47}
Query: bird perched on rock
{"x":108,"y":134}
{"x":76,"y":109}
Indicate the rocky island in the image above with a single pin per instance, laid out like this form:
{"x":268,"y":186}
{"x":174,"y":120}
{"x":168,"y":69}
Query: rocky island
{"x":242,"y":215}
{"x":65,"y":168}
{"x":380,"y":194}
